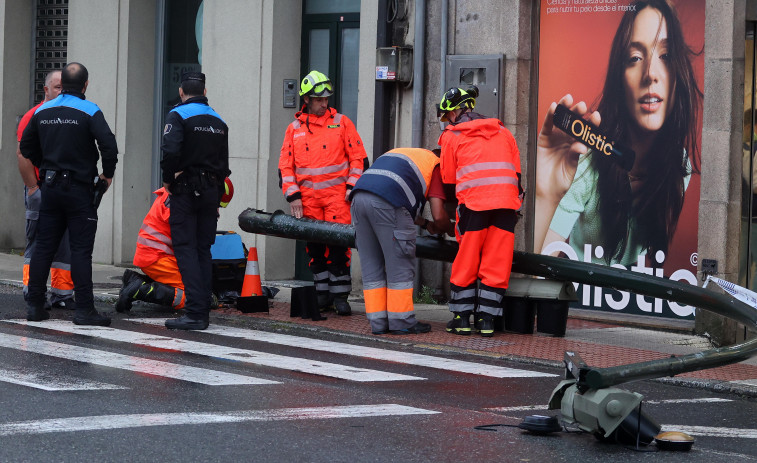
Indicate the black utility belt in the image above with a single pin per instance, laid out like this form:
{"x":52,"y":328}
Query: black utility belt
{"x":64,"y":177}
{"x":199,"y":179}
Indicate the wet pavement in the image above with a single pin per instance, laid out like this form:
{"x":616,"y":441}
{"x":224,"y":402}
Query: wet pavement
{"x":600,"y":341}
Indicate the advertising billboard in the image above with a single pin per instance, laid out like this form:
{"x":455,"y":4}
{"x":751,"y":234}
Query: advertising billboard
{"x":619,"y":183}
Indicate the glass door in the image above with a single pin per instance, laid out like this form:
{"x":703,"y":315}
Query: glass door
{"x":331,"y":44}
{"x":179,"y":40}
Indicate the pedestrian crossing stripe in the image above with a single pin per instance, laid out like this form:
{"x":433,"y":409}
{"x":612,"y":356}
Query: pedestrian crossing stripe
{"x":53,"y":383}
{"x":98,"y":423}
{"x":701,"y":400}
{"x":127,"y":362}
{"x":223,"y":352}
{"x":408,"y":358}
{"x":708,"y":431}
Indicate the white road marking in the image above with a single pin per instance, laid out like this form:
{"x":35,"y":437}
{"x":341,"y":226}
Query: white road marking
{"x":421,"y":360}
{"x":703,"y":400}
{"x":126,"y":362}
{"x":228,"y":353}
{"x":707,"y":431}
{"x":524,"y":408}
{"x":646,"y":402}
{"x":96,"y":423}
{"x":50,"y":383}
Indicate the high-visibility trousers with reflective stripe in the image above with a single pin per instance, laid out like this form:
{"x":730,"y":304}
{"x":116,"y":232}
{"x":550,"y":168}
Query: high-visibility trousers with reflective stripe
{"x":330,"y":265}
{"x":165,"y":270}
{"x":61,"y":284}
{"x":385,"y":238}
{"x":486,"y":241}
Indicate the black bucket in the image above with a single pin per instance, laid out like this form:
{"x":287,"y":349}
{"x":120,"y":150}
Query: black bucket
{"x":552,"y":317}
{"x":304,"y":303}
{"x":519,"y":315}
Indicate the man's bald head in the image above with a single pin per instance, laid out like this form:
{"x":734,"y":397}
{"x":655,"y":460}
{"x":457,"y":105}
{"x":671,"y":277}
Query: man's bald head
{"x":74,"y":77}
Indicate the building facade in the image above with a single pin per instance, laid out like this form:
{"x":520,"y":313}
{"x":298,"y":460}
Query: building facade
{"x":253,"y":50}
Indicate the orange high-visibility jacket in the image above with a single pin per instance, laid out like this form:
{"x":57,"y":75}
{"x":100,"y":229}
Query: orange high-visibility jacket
{"x":154,"y":239}
{"x":481,"y":158}
{"x":320,"y":156}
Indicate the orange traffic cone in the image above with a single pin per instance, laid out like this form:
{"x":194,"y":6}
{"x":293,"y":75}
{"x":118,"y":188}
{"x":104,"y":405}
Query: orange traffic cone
{"x":252,"y":298}
{"x":251,"y":285}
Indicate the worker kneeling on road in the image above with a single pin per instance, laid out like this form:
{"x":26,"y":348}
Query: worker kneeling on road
{"x":480,"y":156}
{"x":154,"y":256}
{"x":386,"y":203}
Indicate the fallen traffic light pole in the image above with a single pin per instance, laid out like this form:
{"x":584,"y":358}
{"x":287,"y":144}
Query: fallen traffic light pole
{"x":586,"y":398}
{"x":285,"y":226}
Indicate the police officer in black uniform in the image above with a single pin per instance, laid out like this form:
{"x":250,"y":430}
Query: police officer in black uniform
{"x":195,"y":162}
{"x":60,"y":141}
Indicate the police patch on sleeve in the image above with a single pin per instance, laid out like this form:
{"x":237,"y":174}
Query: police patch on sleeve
{"x":166,"y":129}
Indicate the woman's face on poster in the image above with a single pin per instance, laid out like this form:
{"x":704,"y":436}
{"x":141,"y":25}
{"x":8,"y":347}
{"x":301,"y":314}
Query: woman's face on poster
{"x":648,"y":81}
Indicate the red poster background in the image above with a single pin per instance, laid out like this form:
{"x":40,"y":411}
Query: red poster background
{"x":574,"y":50}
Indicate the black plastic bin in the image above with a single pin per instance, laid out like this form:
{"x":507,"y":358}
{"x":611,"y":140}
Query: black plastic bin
{"x":552,"y":317}
{"x":519,"y":315}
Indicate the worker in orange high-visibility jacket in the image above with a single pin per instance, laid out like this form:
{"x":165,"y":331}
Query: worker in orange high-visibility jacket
{"x":321,"y":159}
{"x":480,"y":157}
{"x":386,"y":203}
{"x":161,"y":284}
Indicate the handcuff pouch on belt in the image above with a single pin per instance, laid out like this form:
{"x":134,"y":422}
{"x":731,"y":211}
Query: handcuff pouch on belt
{"x":54,"y":177}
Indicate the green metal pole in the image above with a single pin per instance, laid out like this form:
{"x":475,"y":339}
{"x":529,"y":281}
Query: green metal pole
{"x":286,"y":226}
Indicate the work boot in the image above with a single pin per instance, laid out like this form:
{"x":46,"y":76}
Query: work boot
{"x":186,"y":323}
{"x":132,"y":282}
{"x":415,"y":329}
{"x":67,"y":304}
{"x":485,"y":324}
{"x":342,"y":307}
{"x":140,"y":290}
{"x":35,"y":313}
{"x":460,"y":324}
{"x":325,"y":302}
{"x":90,"y":317}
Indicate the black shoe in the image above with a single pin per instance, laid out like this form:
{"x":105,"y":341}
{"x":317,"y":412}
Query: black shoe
{"x":132,"y":282}
{"x":325,"y":303}
{"x":91,"y":317}
{"x":485,"y":325}
{"x":186,"y":323}
{"x":460,"y":324}
{"x":379,"y":332}
{"x":415,"y":329}
{"x":35,"y":313}
{"x":67,"y":304}
{"x":342,"y":307}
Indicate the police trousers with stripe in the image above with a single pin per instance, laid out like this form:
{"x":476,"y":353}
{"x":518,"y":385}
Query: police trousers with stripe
{"x":385,"y":238}
{"x":486,"y":241}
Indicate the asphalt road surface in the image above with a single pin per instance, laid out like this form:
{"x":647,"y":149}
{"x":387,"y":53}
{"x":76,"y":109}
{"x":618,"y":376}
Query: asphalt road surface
{"x":244,"y":391}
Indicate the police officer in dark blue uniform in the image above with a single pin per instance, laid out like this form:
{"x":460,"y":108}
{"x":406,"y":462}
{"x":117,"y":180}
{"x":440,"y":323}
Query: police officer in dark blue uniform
{"x":60,"y":141}
{"x":195,"y":163}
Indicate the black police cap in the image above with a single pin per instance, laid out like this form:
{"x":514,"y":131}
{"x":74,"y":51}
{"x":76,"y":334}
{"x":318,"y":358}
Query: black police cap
{"x":187,"y":76}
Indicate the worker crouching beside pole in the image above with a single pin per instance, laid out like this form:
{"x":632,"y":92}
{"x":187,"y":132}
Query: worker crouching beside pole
{"x":387,"y":202}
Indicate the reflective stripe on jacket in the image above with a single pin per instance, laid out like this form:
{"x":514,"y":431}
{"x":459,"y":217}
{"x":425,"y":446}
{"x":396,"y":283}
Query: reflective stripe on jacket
{"x":154,"y":239}
{"x":320,"y":156}
{"x":481,"y":158}
{"x":401,"y":177}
